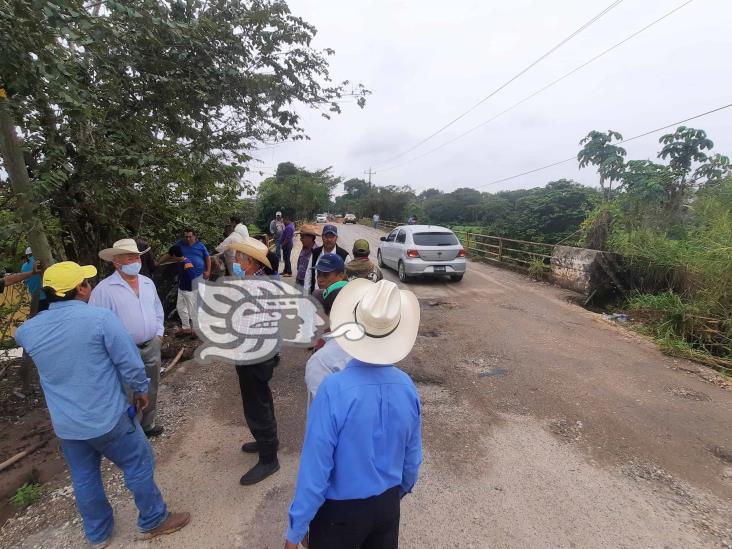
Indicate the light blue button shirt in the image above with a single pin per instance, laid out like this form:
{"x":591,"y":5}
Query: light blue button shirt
{"x":141,"y":316}
{"x":83,"y":355}
{"x":363,"y":437}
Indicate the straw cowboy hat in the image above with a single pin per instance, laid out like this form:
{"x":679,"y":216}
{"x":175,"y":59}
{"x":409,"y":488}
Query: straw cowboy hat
{"x":308,"y":228}
{"x":124,"y":246}
{"x":389,"y":318}
{"x":254,"y":249}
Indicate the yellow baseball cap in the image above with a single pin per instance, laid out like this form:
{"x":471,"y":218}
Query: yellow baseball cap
{"x":66,"y":276}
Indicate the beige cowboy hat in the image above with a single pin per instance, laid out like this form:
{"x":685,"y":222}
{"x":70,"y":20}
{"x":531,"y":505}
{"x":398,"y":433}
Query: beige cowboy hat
{"x":308,"y":228}
{"x":124,"y":246}
{"x":387,"y":316}
{"x":253,"y":248}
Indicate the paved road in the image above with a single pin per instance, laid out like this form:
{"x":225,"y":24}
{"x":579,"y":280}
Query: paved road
{"x":544,"y":425}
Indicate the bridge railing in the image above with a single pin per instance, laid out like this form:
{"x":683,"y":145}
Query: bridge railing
{"x":523,"y":254}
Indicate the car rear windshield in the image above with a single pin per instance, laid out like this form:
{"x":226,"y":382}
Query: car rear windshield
{"x":435,"y":239}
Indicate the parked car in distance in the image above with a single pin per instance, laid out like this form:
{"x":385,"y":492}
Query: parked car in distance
{"x":321,"y":218}
{"x":349,"y":218}
{"x":422,"y":250}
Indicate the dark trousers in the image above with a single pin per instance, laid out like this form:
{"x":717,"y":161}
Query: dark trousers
{"x":287,"y":253}
{"x":256,"y":398}
{"x":370,"y":523}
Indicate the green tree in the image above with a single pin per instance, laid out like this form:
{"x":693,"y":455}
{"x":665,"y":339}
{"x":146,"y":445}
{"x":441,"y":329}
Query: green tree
{"x":295,"y":190}
{"x":140,"y":115}
{"x":599,"y":150}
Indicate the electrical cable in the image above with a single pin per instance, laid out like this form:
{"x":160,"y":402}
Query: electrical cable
{"x":527,"y":98}
{"x":512,"y":79}
{"x":644,"y":134}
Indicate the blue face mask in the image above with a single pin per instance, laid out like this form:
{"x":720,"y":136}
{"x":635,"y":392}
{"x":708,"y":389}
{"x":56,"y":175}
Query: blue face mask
{"x":238,"y":271}
{"x":131,"y":269}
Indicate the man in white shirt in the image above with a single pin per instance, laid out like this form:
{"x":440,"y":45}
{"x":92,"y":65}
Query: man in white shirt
{"x":134,"y":299}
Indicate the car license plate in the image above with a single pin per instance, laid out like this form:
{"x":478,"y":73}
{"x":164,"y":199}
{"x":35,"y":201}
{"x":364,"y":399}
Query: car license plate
{"x":439,"y":268}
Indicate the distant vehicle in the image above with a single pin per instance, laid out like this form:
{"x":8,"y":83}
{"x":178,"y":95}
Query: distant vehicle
{"x":350,"y":218}
{"x":321,"y":218}
{"x":422,"y":250}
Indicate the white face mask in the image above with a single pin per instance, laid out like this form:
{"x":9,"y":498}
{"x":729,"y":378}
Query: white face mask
{"x":131,"y":269}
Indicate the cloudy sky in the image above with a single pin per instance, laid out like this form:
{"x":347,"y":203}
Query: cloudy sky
{"x":428,"y":61}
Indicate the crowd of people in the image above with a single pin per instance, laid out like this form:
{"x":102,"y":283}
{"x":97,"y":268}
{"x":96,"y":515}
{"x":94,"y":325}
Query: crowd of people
{"x":98,"y":355}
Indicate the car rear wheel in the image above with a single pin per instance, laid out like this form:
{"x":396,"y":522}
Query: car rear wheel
{"x":457,"y":277}
{"x":403,"y":276}
{"x":379,"y":260}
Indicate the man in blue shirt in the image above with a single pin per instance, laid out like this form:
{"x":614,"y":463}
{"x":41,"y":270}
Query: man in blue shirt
{"x":195,"y":250}
{"x":38,"y":298}
{"x":363,"y":442}
{"x":84,"y":356}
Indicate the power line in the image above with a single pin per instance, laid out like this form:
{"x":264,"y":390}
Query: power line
{"x":502,"y":86}
{"x":527,"y":98}
{"x":644,"y":134}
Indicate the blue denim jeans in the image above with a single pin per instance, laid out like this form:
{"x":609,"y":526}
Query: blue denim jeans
{"x":127,"y":447}
{"x":278,"y":249}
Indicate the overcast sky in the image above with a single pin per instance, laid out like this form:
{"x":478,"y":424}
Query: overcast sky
{"x":427,"y":61}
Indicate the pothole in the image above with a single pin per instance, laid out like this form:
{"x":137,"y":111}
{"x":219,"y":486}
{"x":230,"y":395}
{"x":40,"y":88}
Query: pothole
{"x":439,"y":303}
{"x":722,"y":453}
{"x":490,"y":372}
{"x":429,"y":333}
{"x":687,"y":394}
{"x":567,"y":430}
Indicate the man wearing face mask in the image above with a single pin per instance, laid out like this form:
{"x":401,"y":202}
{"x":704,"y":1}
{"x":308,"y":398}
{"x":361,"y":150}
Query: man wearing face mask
{"x":134,"y":299}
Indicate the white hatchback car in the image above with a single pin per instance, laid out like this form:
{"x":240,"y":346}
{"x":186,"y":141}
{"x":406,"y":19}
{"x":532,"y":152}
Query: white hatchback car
{"x":422,"y":250}
{"x":321,"y":218}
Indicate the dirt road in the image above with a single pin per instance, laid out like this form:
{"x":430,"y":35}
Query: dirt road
{"x":545,"y":426}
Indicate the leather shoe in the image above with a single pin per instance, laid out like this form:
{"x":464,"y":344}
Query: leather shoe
{"x":173,"y":523}
{"x":259,"y":472}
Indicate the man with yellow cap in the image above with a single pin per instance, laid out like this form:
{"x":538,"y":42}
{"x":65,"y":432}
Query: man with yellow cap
{"x":84,"y":355}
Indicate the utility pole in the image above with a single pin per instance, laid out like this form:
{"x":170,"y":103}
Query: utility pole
{"x":369,"y":173}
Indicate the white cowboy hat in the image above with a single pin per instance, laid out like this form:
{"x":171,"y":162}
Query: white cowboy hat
{"x":124,"y":246}
{"x":253,"y":248}
{"x":389,"y":318}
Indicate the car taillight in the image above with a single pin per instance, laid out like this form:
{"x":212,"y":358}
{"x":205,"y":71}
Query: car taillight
{"x":412,"y":253}
{"x":461,"y":253}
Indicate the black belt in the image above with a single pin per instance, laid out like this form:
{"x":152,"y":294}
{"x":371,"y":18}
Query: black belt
{"x":141,"y":345}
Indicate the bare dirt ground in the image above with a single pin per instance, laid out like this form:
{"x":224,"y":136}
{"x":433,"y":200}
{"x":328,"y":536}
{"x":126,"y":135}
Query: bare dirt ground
{"x":544,"y":426}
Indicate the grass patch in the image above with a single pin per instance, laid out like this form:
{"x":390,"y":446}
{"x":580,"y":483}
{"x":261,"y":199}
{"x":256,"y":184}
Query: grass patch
{"x":25,"y":495}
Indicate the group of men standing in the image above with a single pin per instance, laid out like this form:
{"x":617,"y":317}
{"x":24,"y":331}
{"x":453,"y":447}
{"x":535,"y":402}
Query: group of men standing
{"x":98,"y":355}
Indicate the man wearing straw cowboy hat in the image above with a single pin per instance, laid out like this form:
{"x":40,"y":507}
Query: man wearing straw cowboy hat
{"x":134,"y":299}
{"x":308,"y":233}
{"x":256,"y":395}
{"x":84,"y":356}
{"x":363,"y":443}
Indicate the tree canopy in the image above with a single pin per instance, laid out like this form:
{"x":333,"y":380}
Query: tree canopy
{"x":139,"y":117}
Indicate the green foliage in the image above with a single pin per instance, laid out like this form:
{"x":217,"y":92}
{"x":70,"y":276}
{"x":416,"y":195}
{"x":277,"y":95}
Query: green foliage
{"x":25,"y":495}
{"x":695,"y":271}
{"x":296,"y":191}
{"x":600,"y":151}
{"x":538,"y":269}
{"x":139,"y":116}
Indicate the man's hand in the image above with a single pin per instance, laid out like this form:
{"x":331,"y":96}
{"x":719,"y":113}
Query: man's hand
{"x":206,"y":274}
{"x":289,"y":545}
{"x":37,"y":267}
{"x":141,"y":402}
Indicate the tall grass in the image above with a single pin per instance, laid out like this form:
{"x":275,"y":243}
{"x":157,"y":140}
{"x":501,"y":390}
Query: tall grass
{"x":693,"y":274}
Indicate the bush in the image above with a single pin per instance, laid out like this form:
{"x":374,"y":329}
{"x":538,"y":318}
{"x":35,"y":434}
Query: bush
{"x":25,"y":495}
{"x":691,"y":278}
